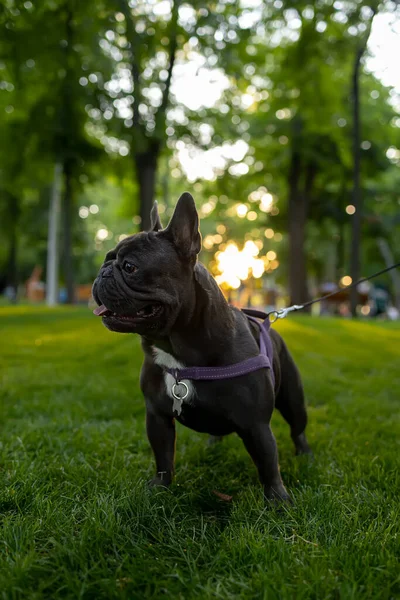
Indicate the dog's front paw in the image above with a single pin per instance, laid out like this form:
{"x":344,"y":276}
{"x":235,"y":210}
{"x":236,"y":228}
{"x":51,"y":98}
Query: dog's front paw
{"x":277,"y":494}
{"x":162,"y":479}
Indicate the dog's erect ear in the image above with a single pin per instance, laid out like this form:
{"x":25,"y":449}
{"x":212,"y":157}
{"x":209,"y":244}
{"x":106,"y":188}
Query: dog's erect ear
{"x":155,"y":223}
{"x":183,"y":228}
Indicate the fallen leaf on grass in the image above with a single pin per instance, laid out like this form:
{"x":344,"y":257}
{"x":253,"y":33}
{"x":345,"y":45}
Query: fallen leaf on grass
{"x":222,"y":496}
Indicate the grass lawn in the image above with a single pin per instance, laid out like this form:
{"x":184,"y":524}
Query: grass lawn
{"x":77,"y":519}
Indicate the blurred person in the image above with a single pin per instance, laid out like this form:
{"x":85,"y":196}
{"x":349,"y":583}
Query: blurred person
{"x":379,"y":300}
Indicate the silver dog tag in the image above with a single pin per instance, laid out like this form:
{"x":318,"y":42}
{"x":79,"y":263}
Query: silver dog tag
{"x":177,"y":406}
{"x":179,"y":398}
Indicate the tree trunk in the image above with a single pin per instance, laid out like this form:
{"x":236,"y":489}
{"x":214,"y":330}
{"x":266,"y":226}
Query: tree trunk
{"x":146,"y":169}
{"x":67,"y":226}
{"x":12,"y":278}
{"x":12,"y":272}
{"x":165,"y":185}
{"x":394,"y":274}
{"x":357,"y":198}
{"x":52,"y":239}
{"x":297,"y":209}
{"x":341,"y":252}
{"x":12,"y":264}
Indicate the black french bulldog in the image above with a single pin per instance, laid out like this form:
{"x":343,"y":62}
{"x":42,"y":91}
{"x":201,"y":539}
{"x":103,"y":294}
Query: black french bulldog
{"x":152,"y":284}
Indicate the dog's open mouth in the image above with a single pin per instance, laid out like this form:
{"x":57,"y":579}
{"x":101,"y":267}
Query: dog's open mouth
{"x":148,"y":311}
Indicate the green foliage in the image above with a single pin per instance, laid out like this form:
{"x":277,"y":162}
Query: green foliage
{"x":301,"y":103}
{"x":77,"y":519}
{"x":94,"y":90}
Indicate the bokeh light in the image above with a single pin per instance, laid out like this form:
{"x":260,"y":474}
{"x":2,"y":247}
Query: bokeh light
{"x":102,"y":234}
{"x":241,"y":210}
{"x":346,"y":280}
{"x":83,"y":212}
{"x":233,"y":266}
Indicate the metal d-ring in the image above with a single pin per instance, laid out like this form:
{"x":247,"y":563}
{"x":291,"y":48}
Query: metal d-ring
{"x":175,"y":395}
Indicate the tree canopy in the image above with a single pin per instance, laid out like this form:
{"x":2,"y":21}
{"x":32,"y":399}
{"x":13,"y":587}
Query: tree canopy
{"x":114,"y":92}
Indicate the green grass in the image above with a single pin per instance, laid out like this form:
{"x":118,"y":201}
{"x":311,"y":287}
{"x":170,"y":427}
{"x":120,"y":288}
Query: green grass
{"x":77,"y":519}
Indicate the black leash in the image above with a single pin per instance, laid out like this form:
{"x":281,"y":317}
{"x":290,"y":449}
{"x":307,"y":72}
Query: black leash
{"x":281,"y":314}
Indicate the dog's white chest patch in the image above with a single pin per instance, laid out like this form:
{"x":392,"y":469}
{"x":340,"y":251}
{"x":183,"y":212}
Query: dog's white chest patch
{"x":163,"y":359}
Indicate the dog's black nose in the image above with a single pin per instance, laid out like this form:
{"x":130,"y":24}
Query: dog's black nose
{"x":107,"y":272}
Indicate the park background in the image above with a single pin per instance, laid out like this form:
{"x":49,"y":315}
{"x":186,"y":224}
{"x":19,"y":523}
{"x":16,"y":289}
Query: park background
{"x":283,"y":121}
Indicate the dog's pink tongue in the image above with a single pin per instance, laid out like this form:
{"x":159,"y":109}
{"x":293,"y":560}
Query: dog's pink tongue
{"x":100,"y":311}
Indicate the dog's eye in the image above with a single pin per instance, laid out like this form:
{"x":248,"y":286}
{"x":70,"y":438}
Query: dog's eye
{"x":128,"y":267}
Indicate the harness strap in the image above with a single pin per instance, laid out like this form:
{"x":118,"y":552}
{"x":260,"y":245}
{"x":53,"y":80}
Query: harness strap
{"x":263,"y":360}
{"x":208,"y":373}
{"x":266,"y":348}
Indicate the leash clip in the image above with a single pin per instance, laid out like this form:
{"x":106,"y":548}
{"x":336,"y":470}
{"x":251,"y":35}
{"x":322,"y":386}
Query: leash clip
{"x":283,"y":312}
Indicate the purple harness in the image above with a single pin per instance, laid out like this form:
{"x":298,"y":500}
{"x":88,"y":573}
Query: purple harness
{"x":263,"y":360}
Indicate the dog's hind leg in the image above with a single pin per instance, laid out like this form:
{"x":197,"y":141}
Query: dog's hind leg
{"x":291,"y":404}
{"x":261,"y":445}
